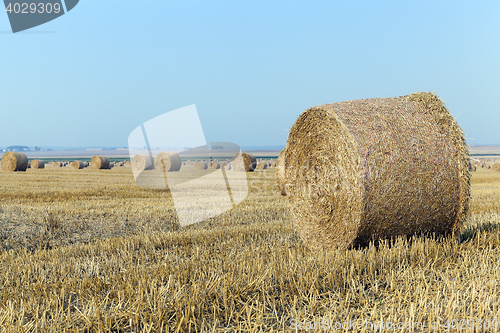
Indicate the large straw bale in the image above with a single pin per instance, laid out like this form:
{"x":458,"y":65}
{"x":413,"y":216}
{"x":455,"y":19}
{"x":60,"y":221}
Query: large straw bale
{"x":14,"y":161}
{"x":37,"y":164}
{"x":168,"y":162}
{"x":78,"y":165}
{"x":496,"y":167}
{"x":98,"y":162}
{"x":280,"y":173}
{"x":249,"y":163}
{"x":376,"y":168}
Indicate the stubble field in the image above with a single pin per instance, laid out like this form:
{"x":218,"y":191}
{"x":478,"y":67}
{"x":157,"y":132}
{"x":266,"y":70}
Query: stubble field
{"x":87,"y":250}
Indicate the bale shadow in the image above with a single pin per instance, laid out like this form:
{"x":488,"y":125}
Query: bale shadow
{"x":466,"y":235}
{"x":471,"y":232}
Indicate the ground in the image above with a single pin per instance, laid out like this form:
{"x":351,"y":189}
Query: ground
{"x":87,"y":250}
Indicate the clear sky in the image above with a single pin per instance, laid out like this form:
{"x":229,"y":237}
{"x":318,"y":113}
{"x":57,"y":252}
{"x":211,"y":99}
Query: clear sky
{"x":91,"y":76}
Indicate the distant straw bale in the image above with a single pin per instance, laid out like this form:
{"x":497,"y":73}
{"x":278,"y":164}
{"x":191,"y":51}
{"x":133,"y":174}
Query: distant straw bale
{"x":280,"y":173}
{"x":200,"y":165}
{"x":215,"y":165}
{"x":37,"y":164}
{"x":14,"y":161}
{"x":376,"y":168}
{"x":262,"y":165}
{"x":78,"y":165}
{"x":248,"y":164}
{"x":496,"y":167}
{"x":142,"y":162}
{"x":99,"y":162}
{"x":168,"y":162}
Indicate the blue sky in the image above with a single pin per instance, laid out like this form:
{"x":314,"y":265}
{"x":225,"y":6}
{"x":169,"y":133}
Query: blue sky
{"x":91,"y":76}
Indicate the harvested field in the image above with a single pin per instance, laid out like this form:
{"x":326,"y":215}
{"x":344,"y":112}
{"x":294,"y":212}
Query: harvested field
{"x":91,"y":249}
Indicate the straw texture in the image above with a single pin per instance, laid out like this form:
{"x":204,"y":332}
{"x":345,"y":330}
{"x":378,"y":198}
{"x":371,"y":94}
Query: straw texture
{"x":14,"y":161}
{"x":280,"y":173}
{"x":376,"y":168}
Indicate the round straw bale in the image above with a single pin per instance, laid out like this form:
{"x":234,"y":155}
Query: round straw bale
{"x":14,"y":161}
{"x":262,"y":165}
{"x":168,"y":161}
{"x":200,"y":165}
{"x":99,"y":162}
{"x":249,"y":163}
{"x":37,"y":164}
{"x":142,"y":162}
{"x":280,"y":173}
{"x":78,"y":165}
{"x":496,"y":167}
{"x":377,"y":168}
{"x":215,"y":165}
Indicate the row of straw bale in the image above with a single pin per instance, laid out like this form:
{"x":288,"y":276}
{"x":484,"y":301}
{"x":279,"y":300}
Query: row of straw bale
{"x":15,"y":161}
{"x":164,"y":161}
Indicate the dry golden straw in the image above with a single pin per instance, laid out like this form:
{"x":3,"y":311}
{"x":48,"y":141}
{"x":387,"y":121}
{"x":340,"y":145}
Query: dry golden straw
{"x":166,"y":161}
{"x":376,"y":168}
{"x":280,"y":173}
{"x":13,"y":161}
{"x":37,"y":164}
{"x":99,"y":162}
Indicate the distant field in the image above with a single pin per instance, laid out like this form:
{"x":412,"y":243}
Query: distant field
{"x":120,"y":155}
{"x":485,"y":151}
{"x":87,"y":250}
